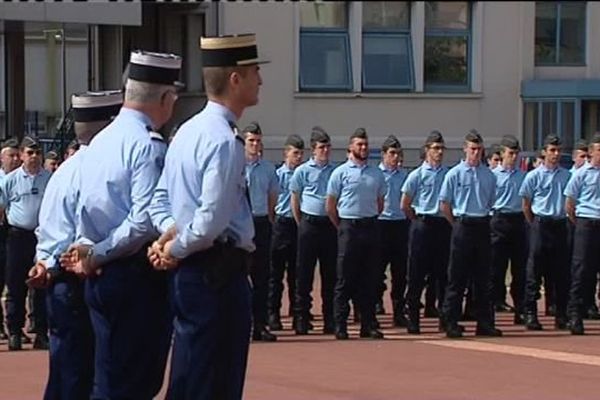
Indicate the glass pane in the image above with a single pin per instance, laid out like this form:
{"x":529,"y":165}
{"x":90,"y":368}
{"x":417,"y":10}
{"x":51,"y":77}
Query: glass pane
{"x":567,"y":131}
{"x":572,"y":33}
{"x":323,"y":15}
{"x":3,"y":134}
{"x":548,"y":119}
{"x":446,"y":60}
{"x":324,"y":60}
{"x":386,"y":15}
{"x":530,"y":121}
{"x":447,"y":15}
{"x":386,"y":61}
{"x":545,"y":33}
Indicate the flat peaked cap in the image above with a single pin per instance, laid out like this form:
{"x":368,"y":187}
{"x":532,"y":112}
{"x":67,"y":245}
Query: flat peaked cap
{"x":158,"y":68}
{"x":294,"y":141}
{"x":230,"y":51}
{"x":96,"y":106}
{"x":510,"y":141}
{"x":30,"y":142}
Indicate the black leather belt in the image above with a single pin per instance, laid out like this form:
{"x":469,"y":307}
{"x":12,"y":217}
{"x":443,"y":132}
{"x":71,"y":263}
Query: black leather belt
{"x":360,"y":221}
{"x":430,"y":218}
{"x":316,"y":219}
{"x":550,"y":220}
{"x":284,"y":220}
{"x":589,"y":221}
{"x":508,"y":214}
{"x":473,"y":220}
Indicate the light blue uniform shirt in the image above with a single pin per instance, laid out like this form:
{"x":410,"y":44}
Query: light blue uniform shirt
{"x":21,"y":196}
{"x":471,"y":191}
{"x":57,"y":228}
{"x":262,"y":181}
{"x":284,"y":206}
{"x":508,"y":183}
{"x":202,"y":188}
{"x":545,"y":188}
{"x":357,"y":188}
{"x":394,"y":179}
{"x":310,"y":182}
{"x":118,"y":176}
{"x":423,"y":186}
{"x":584,"y":188}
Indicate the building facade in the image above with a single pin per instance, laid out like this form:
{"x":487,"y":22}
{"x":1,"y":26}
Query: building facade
{"x":403,"y":68}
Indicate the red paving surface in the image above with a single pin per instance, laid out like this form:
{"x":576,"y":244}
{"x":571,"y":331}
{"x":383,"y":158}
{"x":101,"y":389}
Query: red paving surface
{"x":401,"y":367}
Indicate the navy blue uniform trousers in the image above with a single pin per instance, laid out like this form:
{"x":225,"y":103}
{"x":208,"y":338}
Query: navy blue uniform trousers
{"x":548,"y":252}
{"x":470,"y":257}
{"x":586,"y":258}
{"x":259,"y":270}
{"x":429,"y":250}
{"x":357,"y":270}
{"x":71,"y":371}
{"x":20,"y":252}
{"x":132,"y":321}
{"x":212,"y":330}
{"x":393,"y":250}
{"x":283,"y":262}
{"x":317,"y":240}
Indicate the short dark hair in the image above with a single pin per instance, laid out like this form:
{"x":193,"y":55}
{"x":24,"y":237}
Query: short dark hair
{"x":494,"y":149}
{"x":359,"y":133}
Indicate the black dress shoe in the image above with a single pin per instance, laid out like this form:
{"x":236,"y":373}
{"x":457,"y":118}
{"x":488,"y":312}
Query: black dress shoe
{"x":592,"y":313}
{"x":453,"y":331}
{"x":503,"y":308}
{"x":25,"y":339}
{"x":442,"y":327}
{"x":3,"y":335}
{"x":431,"y":312}
{"x":560,"y":323}
{"x":376,"y":323}
{"x":301,"y":326}
{"x":576,"y":326}
{"x":519,"y":319}
{"x":550,"y":311}
{"x":341,"y":334}
{"x":487,"y":331}
{"x":41,"y":342}
{"x":14,"y":343}
{"x":379,"y":310}
{"x":400,"y":321}
{"x":532,"y":323}
{"x":263,"y":335}
{"x":413,"y":328}
{"x":31,"y":328}
{"x":328,"y":328}
{"x":275,"y":323}
{"x":371,"y":333}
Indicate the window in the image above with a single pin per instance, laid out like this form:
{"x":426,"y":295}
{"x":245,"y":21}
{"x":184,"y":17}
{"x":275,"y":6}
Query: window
{"x":324,"y":47}
{"x":386,"y":58}
{"x":560,"y":33}
{"x":447,"y":46}
{"x":552,"y":116}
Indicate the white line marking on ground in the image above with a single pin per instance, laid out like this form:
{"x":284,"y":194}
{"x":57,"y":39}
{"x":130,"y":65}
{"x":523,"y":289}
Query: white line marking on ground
{"x":543,"y":354}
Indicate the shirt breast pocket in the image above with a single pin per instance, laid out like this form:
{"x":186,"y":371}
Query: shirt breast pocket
{"x":351,"y":182}
{"x":544,"y":190}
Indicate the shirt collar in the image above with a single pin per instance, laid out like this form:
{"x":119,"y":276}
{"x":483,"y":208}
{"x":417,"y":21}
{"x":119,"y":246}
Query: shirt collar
{"x":313,"y":163}
{"x":25,"y":173}
{"x":219,"y":109}
{"x":543,"y":168}
{"x":135,"y":114}
{"x":386,"y":169}
{"x":352,"y":164}
{"x":431,"y":167}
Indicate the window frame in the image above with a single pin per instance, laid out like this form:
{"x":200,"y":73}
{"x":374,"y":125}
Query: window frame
{"x":558,"y":101}
{"x":557,"y":62}
{"x":326,"y":32}
{"x":468,"y":33}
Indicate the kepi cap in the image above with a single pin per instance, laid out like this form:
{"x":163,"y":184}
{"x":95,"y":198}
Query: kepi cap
{"x":157,"y":68}
{"x":230,"y":51}
{"x":96,"y":106}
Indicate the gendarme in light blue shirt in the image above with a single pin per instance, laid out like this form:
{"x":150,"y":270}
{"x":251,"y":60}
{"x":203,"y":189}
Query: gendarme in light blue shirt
{"x":423,"y":186}
{"x":21,"y":196}
{"x":283,"y":206}
{"x":357,"y":188}
{"x":584,"y":188}
{"x":118,"y":176}
{"x":470,"y":191}
{"x":545,"y":188}
{"x":57,"y":228}
{"x":508,"y":183}
{"x":262,"y":181}
{"x":202,"y":189}
{"x":394,"y":179}
{"x":310,"y":182}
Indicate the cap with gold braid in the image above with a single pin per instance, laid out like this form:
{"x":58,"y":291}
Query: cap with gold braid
{"x":151,"y":67}
{"x":230,"y":51}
